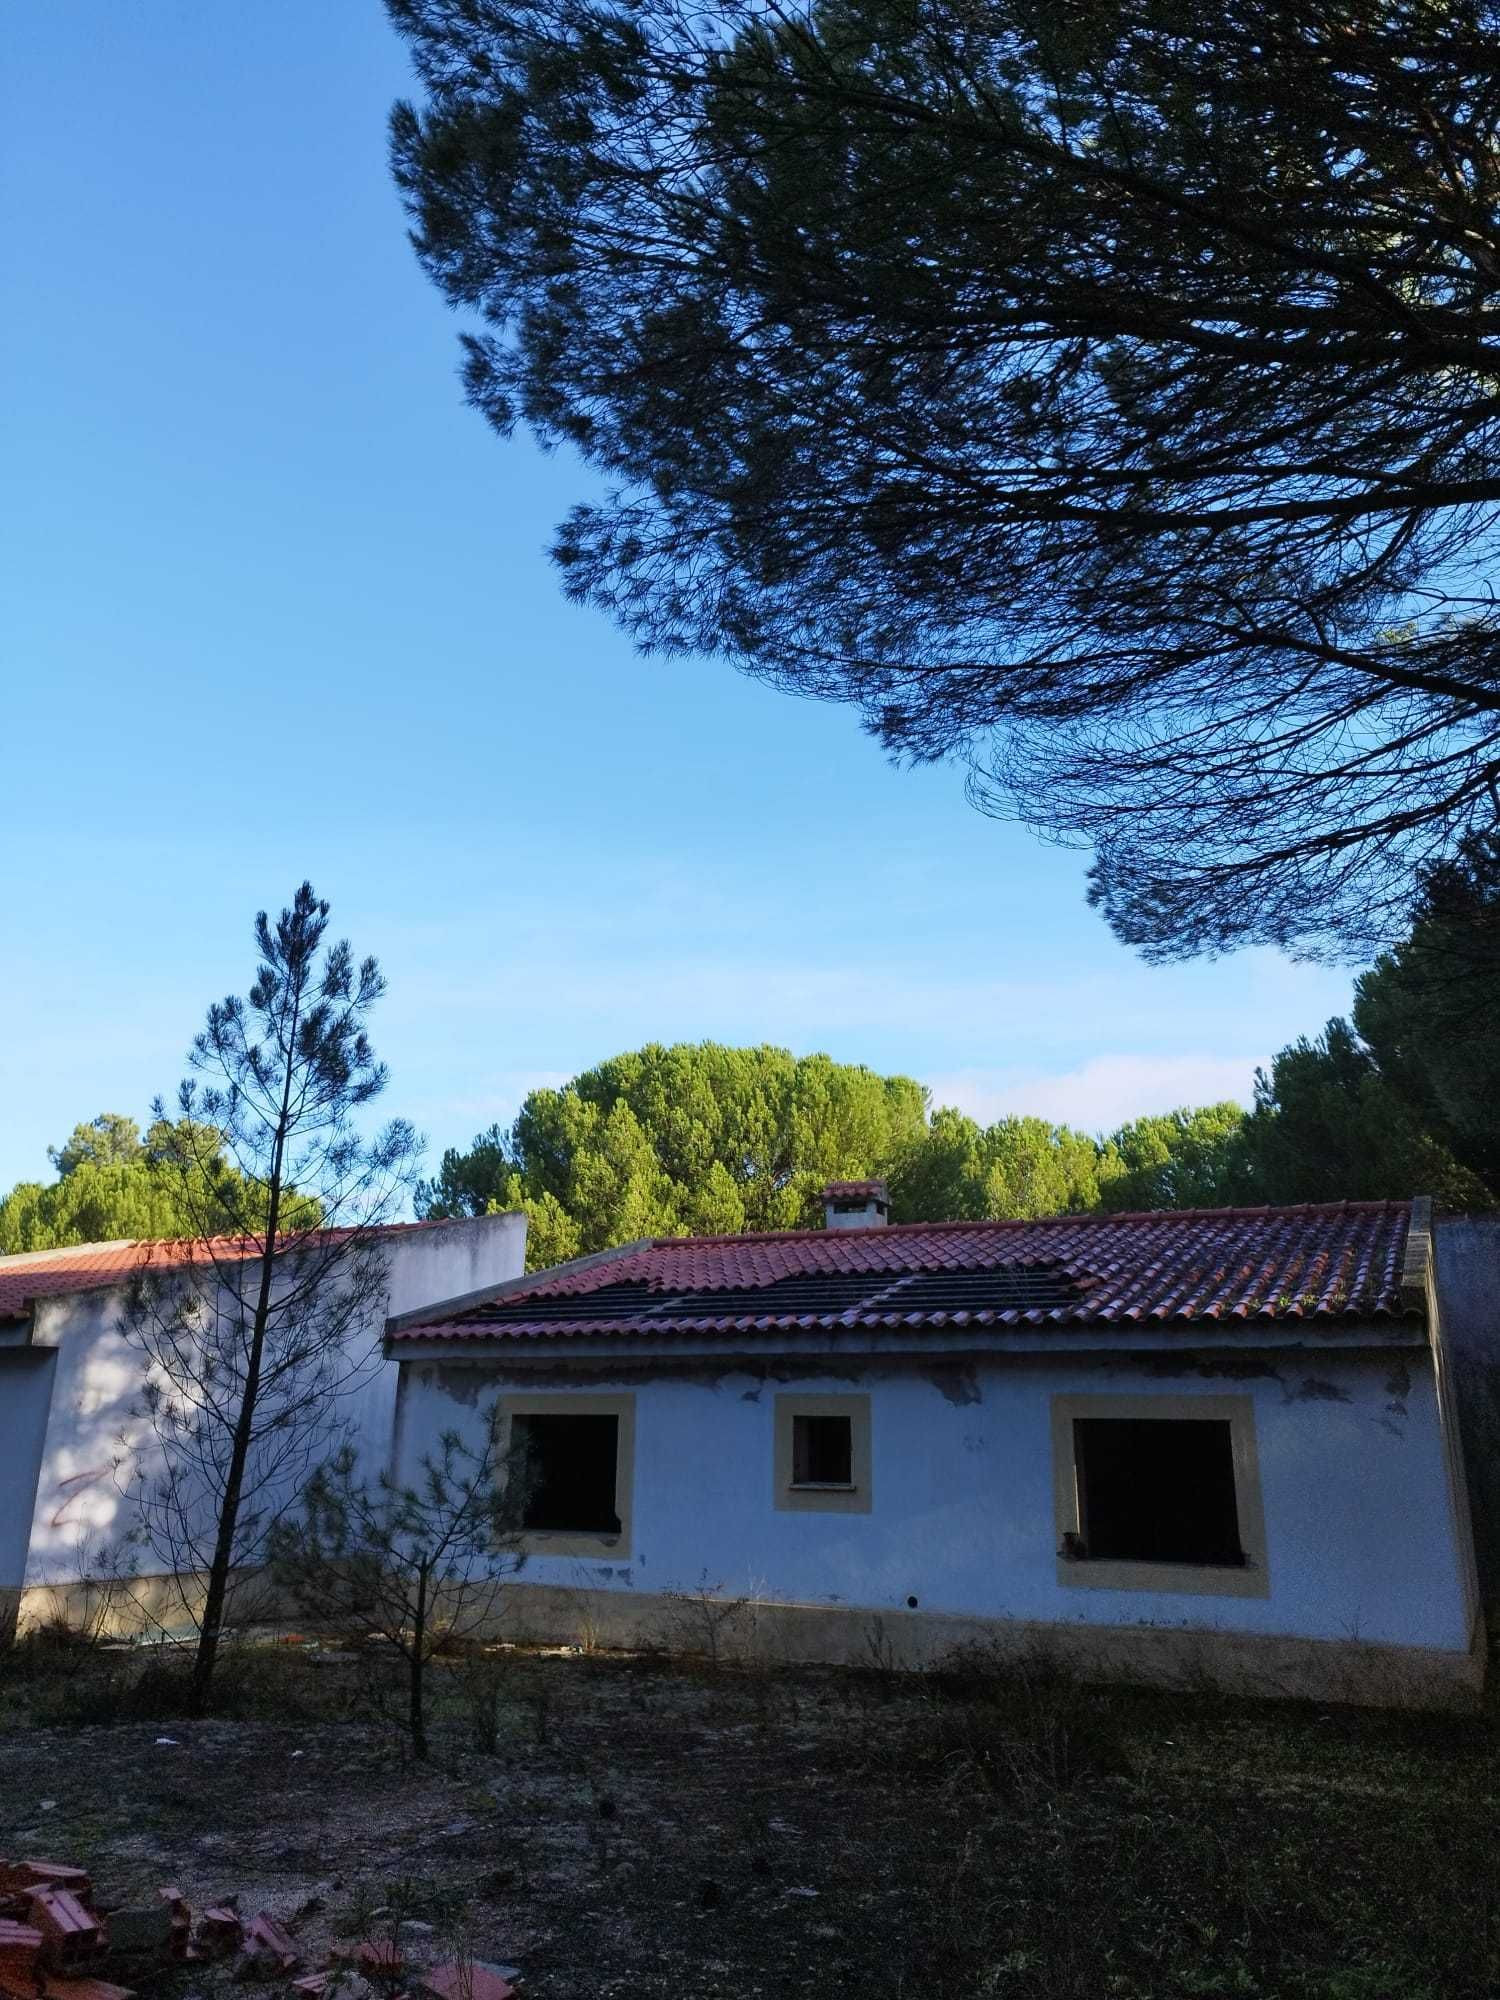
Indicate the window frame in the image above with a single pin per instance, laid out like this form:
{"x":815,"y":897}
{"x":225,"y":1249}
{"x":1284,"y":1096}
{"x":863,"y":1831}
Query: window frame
{"x":577,"y":1541}
{"x":1251,"y":1578}
{"x":855,"y":1498}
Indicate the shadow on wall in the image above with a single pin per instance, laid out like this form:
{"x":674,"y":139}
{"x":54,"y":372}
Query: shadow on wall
{"x":1468,"y":1287}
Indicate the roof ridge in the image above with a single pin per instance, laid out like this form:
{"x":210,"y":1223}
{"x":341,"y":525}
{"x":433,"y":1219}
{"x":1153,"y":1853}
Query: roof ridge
{"x":11,"y":1258}
{"x":1098,"y":1216}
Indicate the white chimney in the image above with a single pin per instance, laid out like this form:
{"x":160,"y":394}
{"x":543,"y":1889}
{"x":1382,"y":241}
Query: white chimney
{"x":855,"y":1205}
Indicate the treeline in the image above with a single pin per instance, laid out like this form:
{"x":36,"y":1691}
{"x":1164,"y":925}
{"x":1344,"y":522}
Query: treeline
{"x":1402,"y":1098}
{"x":113,"y":1182}
{"x":703,"y":1139}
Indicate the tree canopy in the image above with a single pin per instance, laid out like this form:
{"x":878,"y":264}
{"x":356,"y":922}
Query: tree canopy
{"x":690,"y":1139}
{"x":1429,"y":1011}
{"x":702,"y":1139}
{"x":1105,"y":393}
{"x":113,"y":1184}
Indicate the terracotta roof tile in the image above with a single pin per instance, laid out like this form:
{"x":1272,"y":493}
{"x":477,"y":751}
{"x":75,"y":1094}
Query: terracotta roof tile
{"x":86,"y":1267}
{"x":1341,"y":1261}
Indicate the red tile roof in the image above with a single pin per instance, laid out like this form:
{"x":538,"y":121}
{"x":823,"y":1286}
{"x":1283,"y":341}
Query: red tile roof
{"x":88,"y":1267}
{"x":1341,"y":1261}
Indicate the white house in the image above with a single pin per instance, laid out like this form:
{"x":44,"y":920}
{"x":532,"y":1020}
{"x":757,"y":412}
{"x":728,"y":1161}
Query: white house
{"x":69,"y":1381}
{"x":1179,"y":1443}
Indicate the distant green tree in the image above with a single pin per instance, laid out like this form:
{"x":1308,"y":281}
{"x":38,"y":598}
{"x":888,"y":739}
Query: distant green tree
{"x":106,"y":1141}
{"x":696,"y":1138}
{"x":472,"y":1182}
{"x":1429,"y":1011}
{"x":941,"y":1175}
{"x":1180,"y":1159}
{"x":1329,"y":1126}
{"x":114,"y":1185}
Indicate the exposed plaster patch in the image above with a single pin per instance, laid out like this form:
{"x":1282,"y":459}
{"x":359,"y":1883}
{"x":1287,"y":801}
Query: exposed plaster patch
{"x":1311,"y":1390}
{"x":455,"y":1381}
{"x":956,"y":1385}
{"x":1229,"y":1367}
{"x":1397,"y":1388}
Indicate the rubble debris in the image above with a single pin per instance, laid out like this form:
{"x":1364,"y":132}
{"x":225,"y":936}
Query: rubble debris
{"x":20,"y":1877}
{"x":379,"y":1957}
{"x":70,"y":1930}
{"x":220,"y":1931}
{"x":179,"y":1920}
{"x":83,"y":1987}
{"x":457,"y":1980}
{"x":132,"y":1931}
{"x":268,"y":1951}
{"x":19,"y":1943}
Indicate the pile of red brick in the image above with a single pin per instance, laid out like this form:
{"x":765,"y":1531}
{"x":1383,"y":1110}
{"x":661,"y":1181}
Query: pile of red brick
{"x":49,"y":1932}
{"x":51,"y":1935}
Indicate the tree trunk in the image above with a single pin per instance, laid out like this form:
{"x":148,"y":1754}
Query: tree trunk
{"x":229,"y":1512}
{"x":416,"y":1717}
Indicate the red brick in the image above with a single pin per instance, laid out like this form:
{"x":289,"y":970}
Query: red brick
{"x":59,"y":1987}
{"x":28,"y":1875}
{"x":268,"y":1946}
{"x":70,"y":1931}
{"x":465,"y":1982}
{"x":19,"y":1943}
{"x":219,"y":1931}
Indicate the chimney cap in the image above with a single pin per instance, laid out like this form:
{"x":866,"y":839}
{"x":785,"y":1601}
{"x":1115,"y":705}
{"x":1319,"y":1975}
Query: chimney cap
{"x":855,"y":1204}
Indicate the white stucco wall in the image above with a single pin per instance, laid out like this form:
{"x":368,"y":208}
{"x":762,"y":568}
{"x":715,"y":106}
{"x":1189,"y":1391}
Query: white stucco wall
{"x":1360,"y":1536}
{"x":25,"y":1395}
{"x":72,"y":1496}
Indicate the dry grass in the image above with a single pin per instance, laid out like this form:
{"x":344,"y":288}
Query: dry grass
{"x":648,"y":1829}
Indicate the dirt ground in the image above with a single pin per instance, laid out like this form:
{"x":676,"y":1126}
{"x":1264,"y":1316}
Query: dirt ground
{"x":645,"y":1829}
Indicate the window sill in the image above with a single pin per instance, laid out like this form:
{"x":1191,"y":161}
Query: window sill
{"x":1241,"y":1579}
{"x":573,"y":1542}
{"x":822,"y":1486}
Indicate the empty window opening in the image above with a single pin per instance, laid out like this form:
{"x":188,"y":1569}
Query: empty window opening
{"x":822,"y":1451}
{"x":1156,"y":1489}
{"x":571,"y":1467}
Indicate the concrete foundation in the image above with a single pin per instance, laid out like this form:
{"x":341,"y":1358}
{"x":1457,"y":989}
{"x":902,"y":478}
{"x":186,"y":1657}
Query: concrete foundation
{"x":1194,"y":1658}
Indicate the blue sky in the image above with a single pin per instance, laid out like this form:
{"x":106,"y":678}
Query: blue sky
{"x":275,"y":604}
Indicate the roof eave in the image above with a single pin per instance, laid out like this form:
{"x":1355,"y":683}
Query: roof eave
{"x":1325,"y":1335}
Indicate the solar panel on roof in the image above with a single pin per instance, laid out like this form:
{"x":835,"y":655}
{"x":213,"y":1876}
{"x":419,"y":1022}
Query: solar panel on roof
{"x":1006,"y":1288}
{"x":818,"y":1295}
{"x":627,"y":1301}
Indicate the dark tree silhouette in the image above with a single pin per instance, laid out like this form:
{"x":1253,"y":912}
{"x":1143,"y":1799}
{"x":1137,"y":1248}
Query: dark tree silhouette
{"x":1107,"y":391}
{"x":1430,"y":1009}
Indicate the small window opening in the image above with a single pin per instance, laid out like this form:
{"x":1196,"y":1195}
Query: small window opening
{"x":570,"y":1465}
{"x":1156,"y":1489}
{"x":822,"y":1451}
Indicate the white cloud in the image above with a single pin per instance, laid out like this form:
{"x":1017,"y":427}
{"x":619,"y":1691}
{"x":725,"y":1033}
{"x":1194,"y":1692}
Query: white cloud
{"x":1102,"y":1093}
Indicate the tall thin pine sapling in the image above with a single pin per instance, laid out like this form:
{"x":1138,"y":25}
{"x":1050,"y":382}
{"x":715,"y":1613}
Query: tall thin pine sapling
{"x":254,"y":1331}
